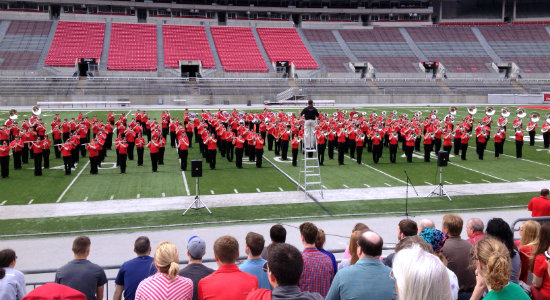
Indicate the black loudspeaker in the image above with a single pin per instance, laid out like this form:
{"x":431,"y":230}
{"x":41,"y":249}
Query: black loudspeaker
{"x":442,"y":158}
{"x":196,"y":168}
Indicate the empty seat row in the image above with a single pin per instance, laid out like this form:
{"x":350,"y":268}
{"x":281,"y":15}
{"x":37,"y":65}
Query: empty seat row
{"x":238,"y":50}
{"x":73,"y":40}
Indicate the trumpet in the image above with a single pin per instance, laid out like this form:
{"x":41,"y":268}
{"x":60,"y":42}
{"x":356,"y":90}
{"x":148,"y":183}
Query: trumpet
{"x":521,"y":113}
{"x":489,"y":111}
{"x":505,"y":112}
{"x":535,"y":117}
{"x":472,"y":110}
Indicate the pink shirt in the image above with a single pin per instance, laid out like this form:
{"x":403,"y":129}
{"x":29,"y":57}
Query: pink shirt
{"x":160,"y":287}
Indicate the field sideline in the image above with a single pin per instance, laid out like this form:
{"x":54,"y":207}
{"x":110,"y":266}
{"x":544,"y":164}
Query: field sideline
{"x":22,"y":188}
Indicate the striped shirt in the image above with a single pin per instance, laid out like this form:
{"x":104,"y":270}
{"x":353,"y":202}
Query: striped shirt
{"x":160,"y":287}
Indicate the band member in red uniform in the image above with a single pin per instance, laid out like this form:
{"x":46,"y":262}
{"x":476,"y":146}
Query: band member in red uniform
{"x":410,"y":139}
{"x":154,"y":152}
{"x":285,"y":137}
{"x":229,"y":136}
{"x":359,"y":144}
{"x":531,"y":128}
{"x":376,"y":146}
{"x":464,"y":139}
{"x":56,"y":134}
{"x":16,"y":147}
{"x":519,"y":142}
{"x":352,"y":134}
{"x":294,"y":144}
{"x":393,"y":145}
{"x":251,"y":142}
{"x":122,"y":147}
{"x":341,"y":145}
{"x":546,"y":134}
{"x":239,"y":149}
{"x":321,"y":146}
{"x":162,"y":148}
{"x":277,"y":139}
{"x":66,"y":153}
{"x":428,"y":145}
{"x":331,"y":139}
{"x":5,"y":159}
{"x":499,"y":137}
{"x":140,"y":144}
{"x":447,"y":141}
{"x":46,"y":144}
{"x":183,"y":145}
{"x":259,"y":148}
{"x":36,"y":148}
{"x":481,"y":143}
{"x":457,"y":140}
{"x":210,"y":144}
{"x":173,"y":126}
{"x":93,"y":154}
{"x":131,"y":140}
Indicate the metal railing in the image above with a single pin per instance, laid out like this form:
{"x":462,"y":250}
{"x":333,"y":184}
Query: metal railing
{"x":538,"y":219}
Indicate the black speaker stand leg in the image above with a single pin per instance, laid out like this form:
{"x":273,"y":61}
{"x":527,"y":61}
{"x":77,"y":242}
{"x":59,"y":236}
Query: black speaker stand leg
{"x":197,"y":203}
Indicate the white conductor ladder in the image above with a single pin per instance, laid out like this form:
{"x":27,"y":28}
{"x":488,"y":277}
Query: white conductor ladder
{"x":310,"y":172}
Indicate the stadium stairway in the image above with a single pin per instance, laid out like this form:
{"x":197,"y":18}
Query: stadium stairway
{"x":106,"y":42}
{"x":3,"y":28}
{"x":320,"y":63}
{"x":160,"y":49}
{"x":262,"y":49}
{"x":485,"y":44}
{"x":213,"y":49}
{"x":344,"y":45}
{"x":547,"y":29}
{"x":49,"y":42}
{"x":413,"y":45}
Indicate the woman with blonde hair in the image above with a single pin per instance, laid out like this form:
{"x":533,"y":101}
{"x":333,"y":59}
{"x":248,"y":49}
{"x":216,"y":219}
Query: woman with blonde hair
{"x":346,"y":262}
{"x":166,"y":283}
{"x":492,"y":261}
{"x":529,"y":232}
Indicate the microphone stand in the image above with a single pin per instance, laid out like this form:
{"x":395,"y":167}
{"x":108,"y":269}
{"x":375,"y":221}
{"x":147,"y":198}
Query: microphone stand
{"x":407,"y":193}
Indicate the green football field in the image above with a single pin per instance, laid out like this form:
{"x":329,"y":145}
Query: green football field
{"x":22,"y":187}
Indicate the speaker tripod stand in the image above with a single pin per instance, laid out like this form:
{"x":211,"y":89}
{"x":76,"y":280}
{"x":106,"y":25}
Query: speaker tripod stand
{"x":197,"y":203}
{"x":439,"y":190}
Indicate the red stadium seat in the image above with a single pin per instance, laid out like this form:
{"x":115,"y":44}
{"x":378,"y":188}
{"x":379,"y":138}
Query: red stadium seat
{"x":284,"y":44}
{"x":74,"y":40}
{"x":186,"y":43}
{"x":133,"y":47}
{"x":238,"y":50}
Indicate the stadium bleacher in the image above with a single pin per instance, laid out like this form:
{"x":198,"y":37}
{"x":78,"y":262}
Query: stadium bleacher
{"x":133,"y":47}
{"x":74,"y":40}
{"x":186,"y":43}
{"x":328,"y":50}
{"x":284,"y":44}
{"x":238,"y":50}
{"x":23,"y":43}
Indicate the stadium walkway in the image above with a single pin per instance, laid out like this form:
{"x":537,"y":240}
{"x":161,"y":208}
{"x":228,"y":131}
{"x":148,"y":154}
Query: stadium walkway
{"x":266,"y":198}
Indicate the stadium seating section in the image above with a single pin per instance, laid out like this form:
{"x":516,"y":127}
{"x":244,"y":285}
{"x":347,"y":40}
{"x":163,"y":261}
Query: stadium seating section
{"x":74,"y":40}
{"x":23,"y":44}
{"x":133,"y":47}
{"x":325,"y":46}
{"x":186,"y":43}
{"x":284,"y":44}
{"x":238,"y":50}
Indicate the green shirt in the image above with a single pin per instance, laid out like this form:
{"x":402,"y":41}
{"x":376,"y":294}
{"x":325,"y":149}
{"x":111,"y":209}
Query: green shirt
{"x":511,"y":291}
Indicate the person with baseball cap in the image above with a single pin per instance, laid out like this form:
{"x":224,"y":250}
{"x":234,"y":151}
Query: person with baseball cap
{"x":195,"y":270}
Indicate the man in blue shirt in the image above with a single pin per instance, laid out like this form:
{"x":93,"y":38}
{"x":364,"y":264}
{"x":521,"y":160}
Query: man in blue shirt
{"x":368,"y":277}
{"x":319,"y":243}
{"x":132,"y":272}
{"x":253,"y":265}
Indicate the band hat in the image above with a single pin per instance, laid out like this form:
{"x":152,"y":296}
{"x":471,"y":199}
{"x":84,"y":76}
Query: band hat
{"x":196,"y":247}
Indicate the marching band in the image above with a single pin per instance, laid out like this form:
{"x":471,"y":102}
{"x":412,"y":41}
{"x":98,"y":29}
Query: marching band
{"x":238,"y":134}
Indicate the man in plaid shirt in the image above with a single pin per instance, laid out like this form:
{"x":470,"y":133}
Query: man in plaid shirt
{"x":318,"y":272}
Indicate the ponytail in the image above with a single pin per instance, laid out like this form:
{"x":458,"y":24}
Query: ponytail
{"x":173,"y":270}
{"x":166,"y":258}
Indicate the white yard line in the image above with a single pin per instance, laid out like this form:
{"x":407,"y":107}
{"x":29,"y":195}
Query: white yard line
{"x":258,"y":190}
{"x":366,"y":185}
{"x":523,"y":179}
{"x":3,"y":202}
{"x":540,"y":178}
{"x":467,"y":181}
{"x":30,"y":202}
{"x":427,"y":183}
{"x":379,"y":171}
{"x":212,"y":192}
{"x":447,"y":182}
{"x":72,"y":182}
{"x":138,"y":196}
{"x":486,"y":180}
{"x":387,"y":184}
{"x":235,"y":190}
{"x":163,"y":195}
{"x":112,"y":197}
{"x":281,"y":189}
{"x":85,"y":199}
{"x":347,"y":187}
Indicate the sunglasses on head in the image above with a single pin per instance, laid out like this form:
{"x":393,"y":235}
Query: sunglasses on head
{"x":264,"y":267}
{"x":547,"y":255}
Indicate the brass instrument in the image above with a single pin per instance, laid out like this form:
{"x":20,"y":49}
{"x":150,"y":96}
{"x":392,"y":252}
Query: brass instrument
{"x":544,"y":129}
{"x":364,"y":113}
{"x":521,"y":113}
{"x":13,"y":114}
{"x":36,"y":110}
{"x":395,"y":135}
{"x":489,"y":111}
{"x":433,"y":117}
{"x":394,"y":112}
{"x":535,"y":117}
{"x":453,"y":110}
{"x":335,"y":115}
{"x":432,"y":135}
{"x":529,"y":127}
{"x":503,"y":123}
{"x":518,"y":124}
{"x":472,"y":110}
{"x":505,"y":112}
{"x":362,"y":136}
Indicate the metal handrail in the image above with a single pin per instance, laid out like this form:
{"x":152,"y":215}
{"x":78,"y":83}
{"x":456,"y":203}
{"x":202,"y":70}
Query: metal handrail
{"x":538,"y":219}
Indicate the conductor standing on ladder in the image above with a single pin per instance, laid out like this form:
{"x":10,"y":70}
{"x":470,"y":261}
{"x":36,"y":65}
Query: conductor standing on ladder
{"x":310,"y":113}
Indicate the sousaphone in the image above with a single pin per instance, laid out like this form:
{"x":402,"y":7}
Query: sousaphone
{"x":36,"y":110}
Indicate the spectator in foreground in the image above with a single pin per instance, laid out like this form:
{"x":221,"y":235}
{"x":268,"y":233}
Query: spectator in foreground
{"x":406,"y":227}
{"x":132,"y":272}
{"x":54,"y":291}
{"x":425,"y":223}
{"x":195,"y":270}
{"x":474,"y":230}
{"x":254,"y":244}
{"x":492,"y":261}
{"x":498,"y":228}
{"x":369,"y":276}
{"x":541,"y":277}
{"x":228,"y":282}
{"x":277,"y":233}
{"x":166,"y":283}
{"x":318,"y":272}
{"x":436,"y":239}
{"x":529,"y":232}
{"x":415,"y":239}
{"x":358,"y":227}
{"x":352,"y":246}
{"x":420,"y":275}
{"x":12,"y":281}
{"x":81,"y":274}
{"x":284,"y":269}
{"x":458,"y":254}
{"x":540,"y":206}
{"x":319,"y":243}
